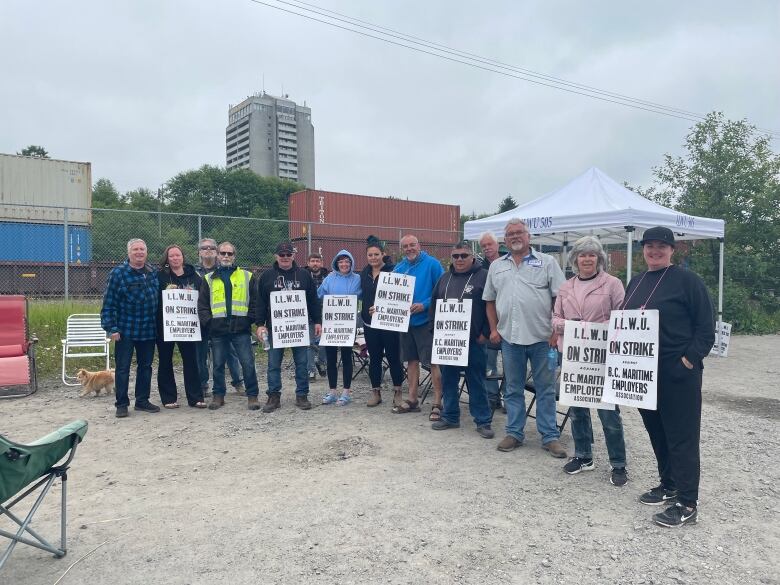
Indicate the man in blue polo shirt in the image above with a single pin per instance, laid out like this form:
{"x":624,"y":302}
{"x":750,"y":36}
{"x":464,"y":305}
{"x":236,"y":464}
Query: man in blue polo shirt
{"x":129,"y":317}
{"x":416,"y":343}
{"x":520,"y":292}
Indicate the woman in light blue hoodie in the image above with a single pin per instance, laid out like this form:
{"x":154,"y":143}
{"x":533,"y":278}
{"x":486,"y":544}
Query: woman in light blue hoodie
{"x":342,"y":281}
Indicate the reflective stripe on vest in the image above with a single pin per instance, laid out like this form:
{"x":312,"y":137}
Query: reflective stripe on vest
{"x":239,"y":281}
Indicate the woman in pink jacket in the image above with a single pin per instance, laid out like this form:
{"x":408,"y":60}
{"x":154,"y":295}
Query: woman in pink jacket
{"x":590,"y":295}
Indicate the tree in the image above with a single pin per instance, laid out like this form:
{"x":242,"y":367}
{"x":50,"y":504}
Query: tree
{"x":33,"y":150}
{"x":728,"y":171}
{"x":507,"y":203}
{"x":105,"y":195}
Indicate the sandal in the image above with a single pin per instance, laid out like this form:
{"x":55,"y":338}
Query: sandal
{"x":198,"y":405}
{"x":329,"y":398}
{"x":172,"y":405}
{"x":397,"y":397}
{"x":435,"y":413}
{"x":407,"y":406}
{"x":343,"y":400}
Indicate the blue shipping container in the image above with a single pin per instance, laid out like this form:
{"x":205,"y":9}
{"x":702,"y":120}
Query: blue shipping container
{"x":39,"y":242}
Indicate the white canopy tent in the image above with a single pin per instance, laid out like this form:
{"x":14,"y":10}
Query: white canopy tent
{"x":596,"y":205}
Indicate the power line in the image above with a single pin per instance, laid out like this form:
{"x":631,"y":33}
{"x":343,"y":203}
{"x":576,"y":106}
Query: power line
{"x":478,"y":62}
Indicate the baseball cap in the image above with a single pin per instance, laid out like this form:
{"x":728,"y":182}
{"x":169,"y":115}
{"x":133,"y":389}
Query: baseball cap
{"x":660,"y":234}
{"x":284,"y":248}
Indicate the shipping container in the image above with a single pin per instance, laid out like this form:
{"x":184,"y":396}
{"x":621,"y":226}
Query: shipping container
{"x":48,"y":183}
{"x":334,"y":216}
{"x":42,"y":242}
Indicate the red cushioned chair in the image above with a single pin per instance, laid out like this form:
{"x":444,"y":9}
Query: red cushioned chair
{"x":18,"y":376}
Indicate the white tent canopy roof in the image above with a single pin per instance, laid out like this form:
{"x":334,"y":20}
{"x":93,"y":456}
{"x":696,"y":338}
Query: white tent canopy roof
{"x":594,"y":204}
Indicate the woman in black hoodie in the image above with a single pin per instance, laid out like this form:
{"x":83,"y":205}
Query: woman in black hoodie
{"x":378,"y":341}
{"x":175,"y":273}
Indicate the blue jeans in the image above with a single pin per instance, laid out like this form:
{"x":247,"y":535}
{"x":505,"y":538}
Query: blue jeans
{"x":232,"y":364}
{"x":516,"y":359}
{"x":300,"y":356}
{"x":242,"y":343}
{"x":582,"y":432}
{"x":479,"y":408}
{"x":491,"y":367}
{"x":316,"y":352}
{"x":123,"y":356}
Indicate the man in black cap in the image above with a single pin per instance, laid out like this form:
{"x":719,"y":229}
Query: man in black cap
{"x":285,"y":274}
{"x":685,"y":337}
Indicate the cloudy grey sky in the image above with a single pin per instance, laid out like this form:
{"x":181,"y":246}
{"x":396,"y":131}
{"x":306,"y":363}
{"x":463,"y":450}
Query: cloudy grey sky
{"x":141,"y":88}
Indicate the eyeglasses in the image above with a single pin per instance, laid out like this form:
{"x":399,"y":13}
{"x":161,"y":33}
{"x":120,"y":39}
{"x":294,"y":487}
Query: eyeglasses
{"x":460,"y":256}
{"x":284,"y":255}
{"x":223,"y":253}
{"x":208,"y":247}
{"x":514,"y":234}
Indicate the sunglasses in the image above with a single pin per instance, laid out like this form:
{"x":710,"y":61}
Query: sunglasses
{"x":514,"y":234}
{"x":208,"y":247}
{"x":223,"y":253}
{"x":460,"y":256}
{"x":284,"y":255}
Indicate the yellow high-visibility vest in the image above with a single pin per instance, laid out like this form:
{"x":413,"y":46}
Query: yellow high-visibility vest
{"x":239,"y":304}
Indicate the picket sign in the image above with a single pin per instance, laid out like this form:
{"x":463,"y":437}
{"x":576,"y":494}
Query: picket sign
{"x":725,"y":340}
{"x":289,"y":318}
{"x":632,"y":359}
{"x":451,"y":329}
{"x":393,"y":301}
{"x":583,"y":365}
{"x":180,"y":315}
{"x":339,"y":320}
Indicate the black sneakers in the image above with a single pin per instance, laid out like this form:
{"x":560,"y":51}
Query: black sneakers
{"x":619,"y":476}
{"x":676,"y":516}
{"x":657,"y":496}
{"x":576,"y":464}
{"x":121,"y":412}
{"x":147,"y":407}
{"x":486,"y":432}
{"x":440,"y":425}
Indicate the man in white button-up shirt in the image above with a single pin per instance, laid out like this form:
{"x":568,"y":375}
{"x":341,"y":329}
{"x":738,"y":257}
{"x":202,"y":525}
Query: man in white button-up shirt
{"x":520,"y":293}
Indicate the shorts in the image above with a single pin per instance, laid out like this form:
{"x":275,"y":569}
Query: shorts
{"x":416,"y":344}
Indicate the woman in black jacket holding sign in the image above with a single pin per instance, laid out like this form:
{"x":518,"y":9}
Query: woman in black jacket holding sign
{"x":686,"y":335}
{"x":176,"y":274}
{"x":380,"y":343}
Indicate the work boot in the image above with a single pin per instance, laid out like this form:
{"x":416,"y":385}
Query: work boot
{"x":217,"y":401}
{"x":376,"y":399}
{"x":252,"y":403}
{"x":555,"y":448}
{"x":274,"y":401}
{"x":509,"y":443}
{"x":302,"y":402}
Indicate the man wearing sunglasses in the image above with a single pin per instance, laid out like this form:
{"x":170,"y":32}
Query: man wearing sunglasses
{"x":520,"y":292}
{"x":207,"y":262}
{"x":285,"y":274}
{"x":465,"y":280}
{"x":226,"y":305}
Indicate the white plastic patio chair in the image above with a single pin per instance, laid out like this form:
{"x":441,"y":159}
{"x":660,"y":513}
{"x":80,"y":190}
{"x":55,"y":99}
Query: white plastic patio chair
{"x":83,"y":330}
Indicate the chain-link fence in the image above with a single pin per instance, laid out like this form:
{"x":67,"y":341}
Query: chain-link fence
{"x":70,"y":257}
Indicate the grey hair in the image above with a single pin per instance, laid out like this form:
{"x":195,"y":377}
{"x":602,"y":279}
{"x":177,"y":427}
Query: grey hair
{"x":212,"y":240}
{"x":227,"y":243}
{"x":489,"y":235}
{"x":584,"y":245}
{"x":132,"y":241}
{"x":515,"y":221}
{"x":412,"y":236}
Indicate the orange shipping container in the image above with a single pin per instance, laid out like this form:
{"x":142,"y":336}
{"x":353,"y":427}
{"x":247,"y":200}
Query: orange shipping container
{"x":342,"y":216}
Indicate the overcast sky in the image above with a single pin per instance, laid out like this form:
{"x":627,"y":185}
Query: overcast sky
{"x":141,"y":88}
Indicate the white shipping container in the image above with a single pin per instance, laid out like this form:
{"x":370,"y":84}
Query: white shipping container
{"x":49,"y":183}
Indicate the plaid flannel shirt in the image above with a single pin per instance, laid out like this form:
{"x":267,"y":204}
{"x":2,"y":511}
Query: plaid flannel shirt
{"x":130,"y":302}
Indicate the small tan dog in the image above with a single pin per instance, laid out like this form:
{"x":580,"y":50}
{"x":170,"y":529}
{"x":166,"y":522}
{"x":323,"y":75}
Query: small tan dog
{"x":96,"y":381}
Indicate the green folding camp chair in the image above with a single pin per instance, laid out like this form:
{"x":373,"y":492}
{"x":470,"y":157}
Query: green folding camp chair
{"x":22,"y":465}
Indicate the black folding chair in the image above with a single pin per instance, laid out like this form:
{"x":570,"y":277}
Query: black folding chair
{"x":529,"y":387}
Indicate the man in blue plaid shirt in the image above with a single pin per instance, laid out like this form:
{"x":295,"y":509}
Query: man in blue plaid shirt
{"x":128,"y":316}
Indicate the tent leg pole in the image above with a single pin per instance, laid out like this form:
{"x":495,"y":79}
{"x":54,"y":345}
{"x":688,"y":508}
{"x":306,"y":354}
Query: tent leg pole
{"x":720,"y":295}
{"x":629,"y":252}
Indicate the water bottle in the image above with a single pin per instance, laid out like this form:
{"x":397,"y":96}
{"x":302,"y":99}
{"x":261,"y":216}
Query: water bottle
{"x":552,"y":359}
{"x":266,"y":345}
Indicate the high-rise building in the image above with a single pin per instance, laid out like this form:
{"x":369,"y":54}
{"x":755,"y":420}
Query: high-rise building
{"x":273,"y":137}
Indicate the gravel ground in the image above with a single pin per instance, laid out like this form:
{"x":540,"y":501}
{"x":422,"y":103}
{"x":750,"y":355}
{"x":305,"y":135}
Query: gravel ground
{"x":359,"y":495}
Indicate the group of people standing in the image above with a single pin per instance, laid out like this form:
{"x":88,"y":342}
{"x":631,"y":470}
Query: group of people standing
{"x":520,"y":302}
